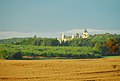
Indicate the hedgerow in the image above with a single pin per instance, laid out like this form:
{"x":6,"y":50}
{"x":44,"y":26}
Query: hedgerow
{"x":17,"y":51}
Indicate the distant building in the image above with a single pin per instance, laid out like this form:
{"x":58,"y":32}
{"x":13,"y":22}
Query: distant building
{"x":85,"y":34}
{"x":65,"y":38}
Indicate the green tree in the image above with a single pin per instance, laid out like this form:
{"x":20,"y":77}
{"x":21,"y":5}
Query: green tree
{"x":98,"y":48}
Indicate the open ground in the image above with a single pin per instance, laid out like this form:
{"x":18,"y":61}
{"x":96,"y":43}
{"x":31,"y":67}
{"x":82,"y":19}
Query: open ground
{"x":104,"y":69}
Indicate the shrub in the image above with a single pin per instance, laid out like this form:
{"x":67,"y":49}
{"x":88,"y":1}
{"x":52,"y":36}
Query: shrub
{"x":10,"y":54}
{"x":17,"y":55}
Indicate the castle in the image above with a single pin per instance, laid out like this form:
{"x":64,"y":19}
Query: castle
{"x":65,"y":38}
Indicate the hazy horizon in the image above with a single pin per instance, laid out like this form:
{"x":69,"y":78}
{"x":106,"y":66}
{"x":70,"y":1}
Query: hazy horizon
{"x":51,"y":17}
{"x":14,"y":34}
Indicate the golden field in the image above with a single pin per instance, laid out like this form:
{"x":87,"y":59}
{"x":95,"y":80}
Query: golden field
{"x":105,"y":69}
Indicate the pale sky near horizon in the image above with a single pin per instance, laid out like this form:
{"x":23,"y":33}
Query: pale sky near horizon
{"x":58,"y":15}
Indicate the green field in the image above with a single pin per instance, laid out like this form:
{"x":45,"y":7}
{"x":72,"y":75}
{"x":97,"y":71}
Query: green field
{"x":111,"y":57}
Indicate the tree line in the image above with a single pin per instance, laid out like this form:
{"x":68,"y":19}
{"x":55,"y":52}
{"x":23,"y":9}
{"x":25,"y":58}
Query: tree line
{"x":94,"y":46}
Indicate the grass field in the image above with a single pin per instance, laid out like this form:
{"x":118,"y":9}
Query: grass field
{"x":105,"y":69}
{"x":111,"y":57}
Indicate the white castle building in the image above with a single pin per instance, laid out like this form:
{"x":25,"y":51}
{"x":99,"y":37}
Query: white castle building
{"x":65,"y":38}
{"x":85,"y":34}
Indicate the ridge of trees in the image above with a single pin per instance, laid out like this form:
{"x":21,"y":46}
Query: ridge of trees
{"x":94,"y":46}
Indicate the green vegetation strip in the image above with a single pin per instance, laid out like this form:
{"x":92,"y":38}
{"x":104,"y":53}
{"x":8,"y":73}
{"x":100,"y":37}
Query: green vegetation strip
{"x":111,"y":57}
{"x":17,"y":51}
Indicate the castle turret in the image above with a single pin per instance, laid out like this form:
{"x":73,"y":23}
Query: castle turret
{"x":72,"y":35}
{"x":86,"y":31}
{"x":62,"y":36}
{"x":77,"y":35}
{"x":85,"y":34}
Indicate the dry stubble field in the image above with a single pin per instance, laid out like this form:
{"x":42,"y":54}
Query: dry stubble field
{"x":60,"y":70}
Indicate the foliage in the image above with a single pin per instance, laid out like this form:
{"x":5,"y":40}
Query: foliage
{"x":8,"y":53}
{"x":47,"y":51}
{"x":113,"y":46}
{"x":93,"y":47}
{"x":31,"y":41}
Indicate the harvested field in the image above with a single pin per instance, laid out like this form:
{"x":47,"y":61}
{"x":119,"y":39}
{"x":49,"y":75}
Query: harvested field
{"x":105,"y":69}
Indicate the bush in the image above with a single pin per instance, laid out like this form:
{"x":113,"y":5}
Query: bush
{"x":10,"y":54}
{"x":17,"y":55}
{"x":4,"y":54}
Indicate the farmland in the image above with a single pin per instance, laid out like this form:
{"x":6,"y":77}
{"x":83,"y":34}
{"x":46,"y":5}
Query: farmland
{"x":104,"y":69}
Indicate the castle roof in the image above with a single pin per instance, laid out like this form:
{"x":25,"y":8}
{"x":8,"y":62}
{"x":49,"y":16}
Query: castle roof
{"x":86,"y":31}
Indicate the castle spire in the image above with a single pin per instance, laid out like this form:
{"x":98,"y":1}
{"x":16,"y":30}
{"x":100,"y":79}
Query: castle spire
{"x":62,"y":37}
{"x":86,"y":31}
{"x":72,"y":35}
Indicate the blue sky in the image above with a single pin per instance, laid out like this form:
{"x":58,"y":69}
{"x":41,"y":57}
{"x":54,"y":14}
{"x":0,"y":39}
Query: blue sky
{"x":58,"y":15}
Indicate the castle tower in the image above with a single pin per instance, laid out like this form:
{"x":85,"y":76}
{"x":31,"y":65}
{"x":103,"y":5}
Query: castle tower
{"x":85,"y":34}
{"x":62,"y":37}
{"x":77,"y":35}
{"x":72,"y":35}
